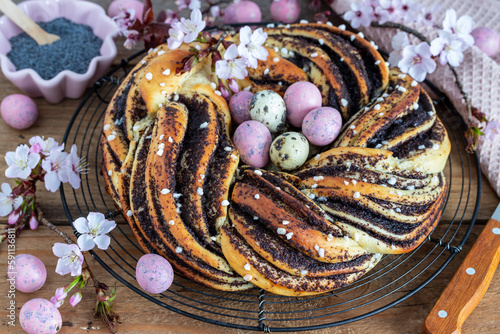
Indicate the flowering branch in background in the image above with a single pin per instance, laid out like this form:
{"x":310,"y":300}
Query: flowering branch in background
{"x":419,"y":60}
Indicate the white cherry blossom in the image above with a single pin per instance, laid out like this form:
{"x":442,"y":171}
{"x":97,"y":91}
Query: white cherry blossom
{"x":398,"y":43}
{"x":492,"y":130}
{"x":193,"y":26}
{"x":70,"y":259}
{"x":359,"y":15}
{"x":74,"y":165}
{"x":191,"y":4}
{"x":251,"y":47}
{"x":392,"y":9}
{"x":7,"y":203}
{"x":408,"y":10}
{"x":54,"y":165}
{"x":417,"y":61}
{"x":426,"y":15}
{"x":231,"y":66}
{"x":461,"y":27}
{"x":44,"y":146}
{"x":449,"y":47}
{"x":171,"y":16}
{"x":21,"y":162}
{"x":175,"y":36}
{"x":93,"y":231}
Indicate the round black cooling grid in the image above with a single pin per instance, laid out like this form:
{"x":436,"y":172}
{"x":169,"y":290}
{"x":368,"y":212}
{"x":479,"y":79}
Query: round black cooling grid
{"x":393,"y":280}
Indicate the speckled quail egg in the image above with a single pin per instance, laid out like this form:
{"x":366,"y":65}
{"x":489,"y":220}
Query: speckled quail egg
{"x":289,"y":150}
{"x":269,"y":108}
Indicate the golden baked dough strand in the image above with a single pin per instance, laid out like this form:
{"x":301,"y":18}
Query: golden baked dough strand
{"x":261,"y":273}
{"x":285,"y":257}
{"x":172,"y":123}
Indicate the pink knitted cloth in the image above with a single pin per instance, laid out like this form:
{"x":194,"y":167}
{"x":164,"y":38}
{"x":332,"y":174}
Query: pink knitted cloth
{"x":479,"y":73}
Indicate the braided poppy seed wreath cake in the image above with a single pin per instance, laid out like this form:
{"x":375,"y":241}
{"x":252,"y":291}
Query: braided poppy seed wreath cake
{"x":172,"y":169}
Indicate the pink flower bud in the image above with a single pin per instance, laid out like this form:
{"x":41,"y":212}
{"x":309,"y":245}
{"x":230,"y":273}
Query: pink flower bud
{"x":75,"y":299}
{"x":225,"y":93}
{"x":56,"y":303}
{"x":33,"y":222}
{"x":233,"y":85}
{"x":36,"y":148}
{"x":61,"y":293}
{"x":13,"y":217}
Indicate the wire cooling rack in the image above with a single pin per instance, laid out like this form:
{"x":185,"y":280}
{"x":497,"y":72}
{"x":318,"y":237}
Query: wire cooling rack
{"x":393,"y":280}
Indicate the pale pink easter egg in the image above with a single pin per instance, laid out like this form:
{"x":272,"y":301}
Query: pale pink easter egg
{"x":300,"y":98}
{"x":29,"y":272}
{"x":242,"y":12}
{"x":118,"y":6}
{"x":322,"y":125}
{"x":39,"y":316}
{"x":286,"y":11}
{"x":239,"y":106}
{"x":487,"y":40}
{"x":253,"y":140}
{"x":19,"y":111}
{"x":154,"y":273}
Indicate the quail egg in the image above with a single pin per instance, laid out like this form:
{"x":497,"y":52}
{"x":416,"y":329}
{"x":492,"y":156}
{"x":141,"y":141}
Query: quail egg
{"x":269,"y":108}
{"x":289,"y":150}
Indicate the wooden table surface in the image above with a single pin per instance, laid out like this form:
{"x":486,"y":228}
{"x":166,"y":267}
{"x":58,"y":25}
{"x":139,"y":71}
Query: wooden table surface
{"x":142,"y":316}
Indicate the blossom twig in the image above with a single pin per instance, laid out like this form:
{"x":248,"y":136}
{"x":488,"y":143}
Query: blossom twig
{"x":104,"y":303}
{"x":421,"y":37}
{"x":51,"y":226}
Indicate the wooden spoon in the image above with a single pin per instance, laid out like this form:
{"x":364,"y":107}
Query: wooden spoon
{"x":26,"y":24}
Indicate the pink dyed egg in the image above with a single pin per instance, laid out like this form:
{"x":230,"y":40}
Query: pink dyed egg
{"x":30,"y":273}
{"x":322,"y":125}
{"x":117,"y":6}
{"x":487,"y":40}
{"x":154,"y":273}
{"x":19,"y":111}
{"x":39,"y":316}
{"x":287,"y":11}
{"x":253,"y":139}
{"x":300,"y":98}
{"x":242,"y":12}
{"x":239,"y":106}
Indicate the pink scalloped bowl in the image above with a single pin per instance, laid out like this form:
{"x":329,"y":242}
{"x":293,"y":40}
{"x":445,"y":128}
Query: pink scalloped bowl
{"x":66,"y":83}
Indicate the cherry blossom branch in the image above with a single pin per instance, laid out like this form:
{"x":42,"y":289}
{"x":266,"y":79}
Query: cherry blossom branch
{"x":45,"y":222}
{"x":421,"y":37}
{"x":104,"y":302}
